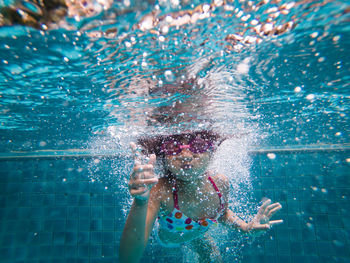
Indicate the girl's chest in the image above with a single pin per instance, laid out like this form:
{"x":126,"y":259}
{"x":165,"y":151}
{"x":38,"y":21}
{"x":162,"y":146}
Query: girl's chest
{"x":196,"y":205}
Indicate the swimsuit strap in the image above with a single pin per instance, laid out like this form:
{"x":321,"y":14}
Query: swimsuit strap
{"x":222,"y":204}
{"x":176,"y":197}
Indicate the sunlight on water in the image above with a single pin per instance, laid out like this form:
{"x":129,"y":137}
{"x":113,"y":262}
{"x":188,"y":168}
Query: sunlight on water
{"x":233,"y":53}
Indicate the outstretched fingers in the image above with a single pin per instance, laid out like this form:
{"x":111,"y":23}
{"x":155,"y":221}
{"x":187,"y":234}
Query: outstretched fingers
{"x":272,"y":209}
{"x":274,"y":205}
{"x":269,"y":209}
{"x":266,"y":211}
{"x":264,"y":206}
{"x":262,"y":227}
{"x":275,"y":222}
{"x":136,"y":153}
{"x":143,"y":176}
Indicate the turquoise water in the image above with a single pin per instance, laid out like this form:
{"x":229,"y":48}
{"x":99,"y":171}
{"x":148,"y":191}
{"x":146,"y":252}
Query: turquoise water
{"x":275,"y":76}
{"x":52,"y":212}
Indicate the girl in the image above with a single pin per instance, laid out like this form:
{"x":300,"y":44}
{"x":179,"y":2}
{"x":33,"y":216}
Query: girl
{"x":186,"y":202}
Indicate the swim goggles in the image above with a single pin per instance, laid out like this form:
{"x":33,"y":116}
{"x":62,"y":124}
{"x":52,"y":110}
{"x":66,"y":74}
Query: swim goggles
{"x":172,"y":146}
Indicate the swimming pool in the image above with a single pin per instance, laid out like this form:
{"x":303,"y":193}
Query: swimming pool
{"x":72,"y":98}
{"x":52,"y":212}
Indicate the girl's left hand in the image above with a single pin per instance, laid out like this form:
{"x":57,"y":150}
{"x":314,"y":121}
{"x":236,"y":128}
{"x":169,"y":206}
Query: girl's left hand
{"x":261,"y":221}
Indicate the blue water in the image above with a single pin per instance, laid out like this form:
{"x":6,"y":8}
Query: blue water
{"x":73,"y":97}
{"x":52,"y":212}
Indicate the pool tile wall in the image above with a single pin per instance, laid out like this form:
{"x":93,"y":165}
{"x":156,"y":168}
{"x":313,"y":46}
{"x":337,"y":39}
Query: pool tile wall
{"x":58,"y":210}
{"x":53,"y":211}
{"x":314,"y":189}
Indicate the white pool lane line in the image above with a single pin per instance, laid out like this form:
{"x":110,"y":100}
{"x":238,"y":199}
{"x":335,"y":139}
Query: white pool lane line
{"x":91,"y":153}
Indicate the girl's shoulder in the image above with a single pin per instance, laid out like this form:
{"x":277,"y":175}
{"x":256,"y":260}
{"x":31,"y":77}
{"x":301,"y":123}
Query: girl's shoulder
{"x":222,"y":182}
{"x":163,"y":192}
{"x":220,"y":179}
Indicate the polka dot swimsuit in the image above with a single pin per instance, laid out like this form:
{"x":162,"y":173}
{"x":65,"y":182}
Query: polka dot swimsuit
{"x":176,"y":221}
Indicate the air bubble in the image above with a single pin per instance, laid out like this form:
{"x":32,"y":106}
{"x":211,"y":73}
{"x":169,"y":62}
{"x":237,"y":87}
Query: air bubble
{"x":254,"y":22}
{"x":168,"y":72}
{"x":336,"y":38}
{"x":127,"y":3}
{"x":297,"y":89}
{"x":239,"y":14}
{"x":310,"y":97}
{"x":245,"y":18}
{"x":290,"y":5}
{"x":314,"y":34}
{"x":309,"y":225}
{"x":165,"y":29}
{"x":271,"y":156}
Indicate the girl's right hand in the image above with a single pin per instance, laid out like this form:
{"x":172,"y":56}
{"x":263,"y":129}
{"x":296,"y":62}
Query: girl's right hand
{"x":143,"y":177}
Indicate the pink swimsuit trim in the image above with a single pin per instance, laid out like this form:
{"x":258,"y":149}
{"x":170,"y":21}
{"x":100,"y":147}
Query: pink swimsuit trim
{"x":176,"y":221}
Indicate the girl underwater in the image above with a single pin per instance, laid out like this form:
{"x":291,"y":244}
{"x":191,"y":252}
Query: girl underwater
{"x":186,"y":202}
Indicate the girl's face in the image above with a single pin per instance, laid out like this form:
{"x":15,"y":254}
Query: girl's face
{"x":187,"y":157}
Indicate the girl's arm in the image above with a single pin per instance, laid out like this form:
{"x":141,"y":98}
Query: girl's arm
{"x":138,"y":227}
{"x":230,"y":219}
{"x":143,"y":211}
{"x":261,"y":220}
